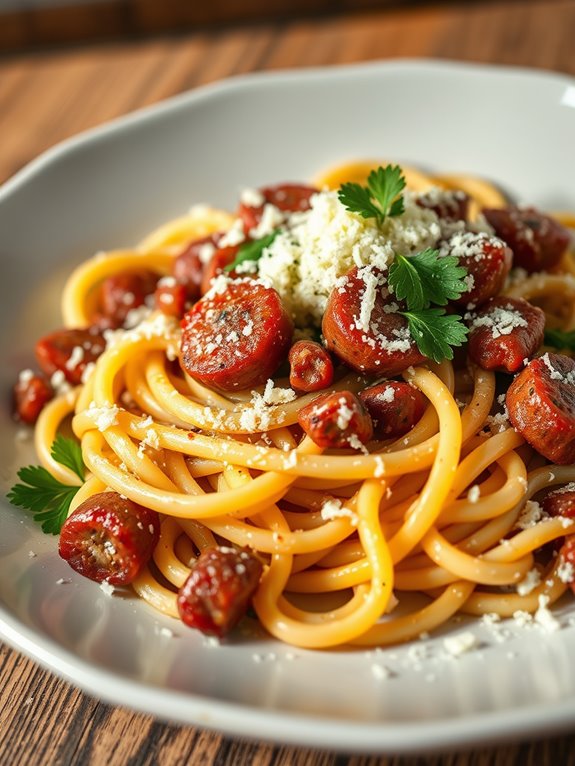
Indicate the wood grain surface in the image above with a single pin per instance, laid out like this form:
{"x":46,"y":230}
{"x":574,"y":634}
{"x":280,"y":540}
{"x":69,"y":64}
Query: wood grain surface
{"x":59,"y":21}
{"x":48,"y":96}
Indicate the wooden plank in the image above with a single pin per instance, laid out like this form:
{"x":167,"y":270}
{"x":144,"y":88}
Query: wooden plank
{"x":66,"y":22}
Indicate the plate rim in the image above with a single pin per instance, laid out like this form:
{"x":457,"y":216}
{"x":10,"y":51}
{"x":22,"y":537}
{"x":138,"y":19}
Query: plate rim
{"x":249,"y":80}
{"x":230,"y":718}
{"x":286,"y":727}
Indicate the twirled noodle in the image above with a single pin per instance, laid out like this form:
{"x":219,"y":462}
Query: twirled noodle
{"x":217,"y":467}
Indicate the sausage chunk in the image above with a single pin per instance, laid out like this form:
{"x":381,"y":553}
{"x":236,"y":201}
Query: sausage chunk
{"x":541,"y":406}
{"x":394,"y":406}
{"x":121,"y":293}
{"x":31,"y":394}
{"x":538,"y":241}
{"x":171,"y":297}
{"x":560,"y":502}
{"x":109,"y":537}
{"x":447,"y":204}
{"x":337,"y":420}
{"x":288,"y":198}
{"x":218,"y":591}
{"x":311,"y":368}
{"x":237,"y":338}
{"x":487,"y":261}
{"x":504,"y":333}
{"x":70,"y":352}
{"x":567,"y":556}
{"x":188,"y":267}
{"x":220,"y":260}
{"x":379,"y":344}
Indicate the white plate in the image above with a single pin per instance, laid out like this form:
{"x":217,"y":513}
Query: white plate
{"x":111,"y":186}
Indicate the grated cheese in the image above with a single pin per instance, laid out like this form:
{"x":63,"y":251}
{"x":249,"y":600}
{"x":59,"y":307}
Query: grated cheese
{"x":530,"y":515}
{"x":104,"y":417}
{"x":501,"y":320}
{"x":333,"y":508}
{"x":531,"y":581}
{"x":319,"y":246}
{"x":251,"y":197}
{"x":543,"y":616}
{"x":460,"y":643}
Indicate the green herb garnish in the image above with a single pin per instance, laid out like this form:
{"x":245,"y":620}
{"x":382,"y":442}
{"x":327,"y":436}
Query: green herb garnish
{"x":422,"y":280}
{"x":252,"y":251}
{"x":435,"y":332}
{"x":561,"y":339}
{"x":425,"y":278}
{"x":47,"y":498}
{"x":380,"y":198}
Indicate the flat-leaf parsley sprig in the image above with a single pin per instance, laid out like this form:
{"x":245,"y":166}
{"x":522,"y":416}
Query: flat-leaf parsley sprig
{"x":252,"y":251}
{"x":422,"y":280}
{"x":381,"y":198}
{"x":47,"y":498}
{"x":435,"y":332}
{"x":425,"y":278}
{"x":560,"y":339}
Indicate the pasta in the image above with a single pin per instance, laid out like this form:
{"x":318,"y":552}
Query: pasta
{"x":368,"y":546}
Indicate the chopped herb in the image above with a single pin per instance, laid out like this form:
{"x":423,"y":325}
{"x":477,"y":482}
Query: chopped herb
{"x":435,"y":332}
{"x":69,"y":453}
{"x":380,"y":198}
{"x":561,"y":339}
{"x":47,"y":498}
{"x":252,"y":251}
{"x":425,"y":278}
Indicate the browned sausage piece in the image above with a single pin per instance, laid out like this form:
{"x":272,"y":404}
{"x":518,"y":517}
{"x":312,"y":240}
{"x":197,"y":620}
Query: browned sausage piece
{"x":395,"y":407}
{"x":69,"y":351}
{"x":109,"y":537}
{"x":560,"y":502}
{"x":505,"y":333}
{"x":121,"y":293}
{"x":567,"y":554}
{"x":218,"y":591}
{"x":188,"y":266}
{"x":311,"y":368}
{"x":447,"y":204}
{"x":487,"y":261}
{"x":171,"y":297}
{"x":337,"y":420}
{"x":222,"y":257}
{"x":541,"y":406}
{"x":538,"y":241}
{"x":288,"y":198}
{"x":382,"y":345}
{"x":31,"y":394}
{"x":236,"y":338}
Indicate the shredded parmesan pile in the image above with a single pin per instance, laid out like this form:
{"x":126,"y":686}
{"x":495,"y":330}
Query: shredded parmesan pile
{"x":319,"y":246}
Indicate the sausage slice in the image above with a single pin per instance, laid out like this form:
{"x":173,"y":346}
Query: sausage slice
{"x":541,"y":406}
{"x":504,"y":333}
{"x":236,"y":338}
{"x":378,"y":344}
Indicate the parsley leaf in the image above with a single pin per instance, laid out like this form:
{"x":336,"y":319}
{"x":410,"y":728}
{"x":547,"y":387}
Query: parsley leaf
{"x":47,"y":498}
{"x":380,"y":198}
{"x":69,"y":453}
{"x":560,"y":339}
{"x":425,"y":278}
{"x":357,"y":199}
{"x":435,"y":332}
{"x":252,"y":251}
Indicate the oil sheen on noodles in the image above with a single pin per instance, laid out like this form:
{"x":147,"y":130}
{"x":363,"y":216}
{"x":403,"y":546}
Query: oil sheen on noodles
{"x":409,"y":543}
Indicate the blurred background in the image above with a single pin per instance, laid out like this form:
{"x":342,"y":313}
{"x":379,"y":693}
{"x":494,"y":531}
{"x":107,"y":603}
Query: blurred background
{"x":31,"y":22}
{"x":68,"y":65}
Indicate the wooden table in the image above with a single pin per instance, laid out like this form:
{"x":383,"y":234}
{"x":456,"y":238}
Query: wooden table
{"x":49,"y":95}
